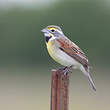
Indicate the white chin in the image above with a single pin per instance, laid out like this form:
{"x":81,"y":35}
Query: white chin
{"x":46,"y":34}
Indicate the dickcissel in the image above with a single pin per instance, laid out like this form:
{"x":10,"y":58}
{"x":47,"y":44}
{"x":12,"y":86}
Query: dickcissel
{"x":65,"y":52}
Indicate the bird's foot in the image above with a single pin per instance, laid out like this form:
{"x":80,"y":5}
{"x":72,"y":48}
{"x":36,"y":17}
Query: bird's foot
{"x":66,"y":69}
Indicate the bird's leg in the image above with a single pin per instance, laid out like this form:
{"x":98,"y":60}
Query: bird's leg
{"x":62,"y":68}
{"x":67,"y":70}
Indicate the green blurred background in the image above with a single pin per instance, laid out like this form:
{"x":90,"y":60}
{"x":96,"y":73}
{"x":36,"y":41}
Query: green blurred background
{"x":25,"y":66}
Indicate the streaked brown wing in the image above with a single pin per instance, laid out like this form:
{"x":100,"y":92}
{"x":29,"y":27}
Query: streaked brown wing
{"x":73,"y":50}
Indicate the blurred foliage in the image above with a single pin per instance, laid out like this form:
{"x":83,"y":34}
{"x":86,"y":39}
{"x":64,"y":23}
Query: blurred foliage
{"x":87,"y":23}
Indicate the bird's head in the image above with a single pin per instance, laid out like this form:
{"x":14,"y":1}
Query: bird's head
{"x":52,"y":32}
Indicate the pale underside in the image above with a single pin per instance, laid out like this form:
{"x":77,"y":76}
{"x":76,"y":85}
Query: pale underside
{"x":61,"y":57}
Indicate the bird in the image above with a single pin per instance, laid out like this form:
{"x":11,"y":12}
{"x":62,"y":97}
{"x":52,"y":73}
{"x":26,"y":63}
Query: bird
{"x":66,"y":52}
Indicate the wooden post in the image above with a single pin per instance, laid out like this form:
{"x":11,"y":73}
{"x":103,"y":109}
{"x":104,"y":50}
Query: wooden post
{"x":59,"y":90}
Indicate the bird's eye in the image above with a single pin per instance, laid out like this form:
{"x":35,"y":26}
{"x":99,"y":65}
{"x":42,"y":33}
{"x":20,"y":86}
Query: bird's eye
{"x":52,"y":30}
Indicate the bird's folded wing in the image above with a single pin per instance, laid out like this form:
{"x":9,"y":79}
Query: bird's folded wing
{"x":73,"y":50}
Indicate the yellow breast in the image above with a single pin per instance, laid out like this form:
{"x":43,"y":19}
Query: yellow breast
{"x":51,"y":49}
{"x":60,"y":56}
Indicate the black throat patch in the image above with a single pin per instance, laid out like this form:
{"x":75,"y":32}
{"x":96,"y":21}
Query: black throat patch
{"x":47,"y":39}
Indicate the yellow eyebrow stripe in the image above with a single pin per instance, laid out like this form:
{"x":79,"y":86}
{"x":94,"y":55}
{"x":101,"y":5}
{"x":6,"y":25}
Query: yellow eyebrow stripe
{"x":50,"y":28}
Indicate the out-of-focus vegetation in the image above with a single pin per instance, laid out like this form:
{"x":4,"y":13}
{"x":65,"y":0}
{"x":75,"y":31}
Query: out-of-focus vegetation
{"x":25,"y":66}
{"x":87,"y":23}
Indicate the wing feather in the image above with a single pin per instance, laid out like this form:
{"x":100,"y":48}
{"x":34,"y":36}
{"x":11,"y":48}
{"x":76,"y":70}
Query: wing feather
{"x":73,"y":50}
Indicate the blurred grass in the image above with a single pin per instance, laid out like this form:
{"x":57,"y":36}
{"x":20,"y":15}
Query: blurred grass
{"x":29,"y":88}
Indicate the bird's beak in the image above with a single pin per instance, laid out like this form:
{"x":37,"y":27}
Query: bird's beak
{"x":46,"y":33}
{"x":44,"y":30}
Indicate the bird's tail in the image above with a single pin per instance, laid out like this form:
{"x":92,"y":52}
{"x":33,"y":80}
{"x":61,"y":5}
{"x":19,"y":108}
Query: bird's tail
{"x":89,"y":77}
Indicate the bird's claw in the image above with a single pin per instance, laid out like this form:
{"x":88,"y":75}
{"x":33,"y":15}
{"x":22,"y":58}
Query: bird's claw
{"x":66,"y":69}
